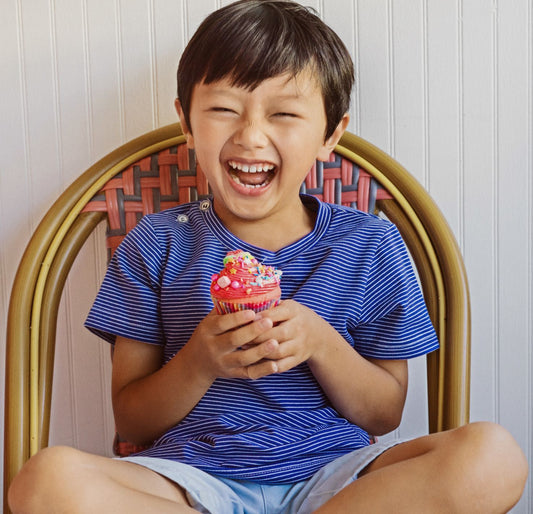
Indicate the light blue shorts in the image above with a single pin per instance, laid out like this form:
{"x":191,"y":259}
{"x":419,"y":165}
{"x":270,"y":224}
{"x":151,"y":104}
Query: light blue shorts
{"x":217,"y":495}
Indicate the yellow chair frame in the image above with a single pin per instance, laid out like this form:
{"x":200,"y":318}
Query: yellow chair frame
{"x":40,"y":278}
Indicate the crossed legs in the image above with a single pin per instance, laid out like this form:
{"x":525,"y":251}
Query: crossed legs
{"x":478,"y":468}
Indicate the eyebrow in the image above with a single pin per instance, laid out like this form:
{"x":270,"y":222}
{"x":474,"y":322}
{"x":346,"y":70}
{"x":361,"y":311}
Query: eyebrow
{"x":282,"y":98}
{"x":225,"y":91}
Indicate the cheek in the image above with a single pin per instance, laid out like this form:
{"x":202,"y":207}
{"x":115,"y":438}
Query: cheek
{"x":208,"y":148}
{"x":306,"y":151}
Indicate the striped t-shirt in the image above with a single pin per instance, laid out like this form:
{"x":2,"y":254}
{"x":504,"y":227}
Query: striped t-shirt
{"x":353,"y":270}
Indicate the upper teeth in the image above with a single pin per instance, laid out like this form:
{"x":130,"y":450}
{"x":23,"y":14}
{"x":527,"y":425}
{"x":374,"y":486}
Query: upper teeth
{"x":253,"y":168}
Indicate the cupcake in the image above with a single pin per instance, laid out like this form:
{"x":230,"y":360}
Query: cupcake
{"x":244,"y":283}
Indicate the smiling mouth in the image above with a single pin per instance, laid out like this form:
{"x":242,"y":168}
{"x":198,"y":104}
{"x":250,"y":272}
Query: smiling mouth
{"x":255,"y":175}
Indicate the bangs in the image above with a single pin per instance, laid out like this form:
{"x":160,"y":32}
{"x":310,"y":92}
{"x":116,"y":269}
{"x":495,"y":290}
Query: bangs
{"x":267,"y":47}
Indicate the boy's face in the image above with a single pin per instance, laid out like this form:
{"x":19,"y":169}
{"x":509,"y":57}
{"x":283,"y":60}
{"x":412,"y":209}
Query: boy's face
{"x":256,"y":147}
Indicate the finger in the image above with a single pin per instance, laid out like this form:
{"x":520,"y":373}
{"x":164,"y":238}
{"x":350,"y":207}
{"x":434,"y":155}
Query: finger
{"x":244,"y":358}
{"x":232,"y":321}
{"x":282,"y":312}
{"x":261,"y":369}
{"x":286,"y":364}
{"x":280,"y":330}
{"x":267,"y":367}
{"x":246,"y":334}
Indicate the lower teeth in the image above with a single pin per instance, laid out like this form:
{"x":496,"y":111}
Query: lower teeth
{"x":252,"y":186}
{"x":237,"y":179}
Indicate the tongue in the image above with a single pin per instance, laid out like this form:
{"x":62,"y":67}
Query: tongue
{"x":252,"y":179}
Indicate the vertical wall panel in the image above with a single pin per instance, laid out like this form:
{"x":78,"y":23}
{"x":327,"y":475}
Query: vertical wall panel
{"x":480,"y":217}
{"x":408,"y":98}
{"x":197,"y":10}
{"x":104,"y":81}
{"x":169,"y":41}
{"x":63,"y":418}
{"x":513,"y":222}
{"x":512,"y":190}
{"x":343,"y":25}
{"x":42,"y":106}
{"x":443,"y":104}
{"x":374,"y":79}
{"x":136,"y":68}
{"x":69,"y":39}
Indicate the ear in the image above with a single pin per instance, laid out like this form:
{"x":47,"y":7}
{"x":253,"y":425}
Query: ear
{"x":329,"y":144}
{"x":184,"y":126}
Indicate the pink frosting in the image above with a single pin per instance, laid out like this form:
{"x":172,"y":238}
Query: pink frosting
{"x":244,"y":276}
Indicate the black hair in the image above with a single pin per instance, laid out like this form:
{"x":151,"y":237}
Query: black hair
{"x":250,"y":41}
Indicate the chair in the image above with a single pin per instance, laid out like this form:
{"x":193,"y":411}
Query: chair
{"x":157,"y":171}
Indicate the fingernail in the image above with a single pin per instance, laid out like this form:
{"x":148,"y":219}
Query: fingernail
{"x":273,"y":344}
{"x":266,"y":323}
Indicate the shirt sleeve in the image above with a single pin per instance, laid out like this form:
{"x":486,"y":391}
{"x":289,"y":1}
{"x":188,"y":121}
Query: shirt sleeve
{"x":394,"y":323}
{"x":128,"y":302}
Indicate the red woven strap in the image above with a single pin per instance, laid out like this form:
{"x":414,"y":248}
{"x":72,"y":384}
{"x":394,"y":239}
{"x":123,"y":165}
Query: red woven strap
{"x":123,"y":448}
{"x":342,"y":182}
{"x":157,"y":182}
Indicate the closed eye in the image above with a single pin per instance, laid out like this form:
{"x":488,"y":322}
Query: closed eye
{"x":286,"y":114}
{"x":222,"y":109}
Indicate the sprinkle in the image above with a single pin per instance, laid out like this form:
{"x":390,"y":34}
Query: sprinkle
{"x":223,"y":282}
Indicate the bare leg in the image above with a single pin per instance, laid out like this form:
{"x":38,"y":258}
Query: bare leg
{"x":65,"y":480}
{"x":478,"y":468}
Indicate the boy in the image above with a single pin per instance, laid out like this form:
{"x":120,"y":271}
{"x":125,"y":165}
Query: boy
{"x":282,"y":425}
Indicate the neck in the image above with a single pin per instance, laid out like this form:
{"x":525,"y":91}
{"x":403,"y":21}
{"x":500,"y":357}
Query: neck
{"x":275,"y":232}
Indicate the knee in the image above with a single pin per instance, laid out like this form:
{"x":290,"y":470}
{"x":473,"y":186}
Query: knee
{"x":44,"y":477}
{"x":494,"y":464}
{"x":490,"y":443}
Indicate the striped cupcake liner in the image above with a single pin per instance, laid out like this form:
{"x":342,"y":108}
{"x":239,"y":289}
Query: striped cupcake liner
{"x":229,"y":307}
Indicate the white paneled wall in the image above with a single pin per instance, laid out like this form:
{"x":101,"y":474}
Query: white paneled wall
{"x":445,"y":86}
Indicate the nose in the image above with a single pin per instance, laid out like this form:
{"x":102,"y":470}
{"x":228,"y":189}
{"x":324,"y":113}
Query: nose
{"x":250,"y":135}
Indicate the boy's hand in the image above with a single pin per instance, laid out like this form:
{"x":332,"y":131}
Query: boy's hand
{"x":221,"y":344}
{"x":299,"y":331}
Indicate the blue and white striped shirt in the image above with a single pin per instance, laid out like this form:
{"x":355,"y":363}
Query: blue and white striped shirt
{"x":353,"y":270}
